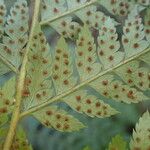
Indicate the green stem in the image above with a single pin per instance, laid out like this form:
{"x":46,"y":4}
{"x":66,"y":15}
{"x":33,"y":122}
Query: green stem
{"x":8,"y":64}
{"x":44,"y":22}
{"x":59,"y":97}
{"x":20,"y":83}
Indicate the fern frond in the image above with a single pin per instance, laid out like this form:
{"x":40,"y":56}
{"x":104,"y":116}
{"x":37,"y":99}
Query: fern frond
{"x":86,"y":60}
{"x":145,"y":58}
{"x":3,"y":120}
{"x":117,"y":143}
{"x":108,"y":45}
{"x":133,"y":38}
{"x":135,"y":75}
{"x":75,"y":4}
{"x":21,"y":8}
{"x":48,"y":20}
{"x":66,"y":27}
{"x":90,"y":14}
{"x":89,"y":104}
{"x":2,"y":17}
{"x":7,"y":101}
{"x":62,"y":68}
{"x":3,"y":68}
{"x":51,"y":116}
{"x":140,"y":137}
{"x":3,"y":131}
{"x":144,"y":3}
{"x":106,"y":81}
{"x":52,"y":8}
{"x":37,"y":85}
{"x":70,"y":28}
{"x":141,"y":133}
{"x":118,"y":7}
{"x":109,"y":86}
{"x":7,"y":92}
{"x":123,"y":7}
{"x":16,"y":33}
{"x":92,"y":17}
{"x":147,"y":24}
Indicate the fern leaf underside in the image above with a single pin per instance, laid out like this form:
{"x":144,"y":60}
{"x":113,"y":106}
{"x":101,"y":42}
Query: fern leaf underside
{"x":140,"y":136}
{"x":108,"y":63}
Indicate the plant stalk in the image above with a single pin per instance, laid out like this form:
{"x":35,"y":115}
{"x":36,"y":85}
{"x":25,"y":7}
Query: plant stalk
{"x":20,"y":82}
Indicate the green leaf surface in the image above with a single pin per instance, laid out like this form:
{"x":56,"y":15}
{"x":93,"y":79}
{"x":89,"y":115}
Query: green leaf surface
{"x":141,"y":134}
{"x":144,"y":3}
{"x":37,"y":85}
{"x":75,"y":3}
{"x":3,"y":68}
{"x":97,"y":56}
{"x":59,"y":119}
{"x":135,"y":75}
{"x":16,"y":33}
{"x":146,"y":58}
{"x":134,"y":37}
{"x":90,"y":105}
{"x":86,"y":59}
{"x":63,"y":84}
{"x":115,"y":89}
{"x":118,"y":7}
{"x":3,"y":132}
{"x":62,"y":68}
{"x":117,"y":143}
{"x":7,"y":100}
{"x":2,"y":17}
{"x":52,"y":8}
{"x":122,"y":8}
{"x":92,"y":17}
{"x":108,"y":45}
{"x":66,"y":27}
{"x":147,"y":24}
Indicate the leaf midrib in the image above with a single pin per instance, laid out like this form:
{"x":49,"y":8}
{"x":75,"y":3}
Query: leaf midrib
{"x":60,"y":96}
